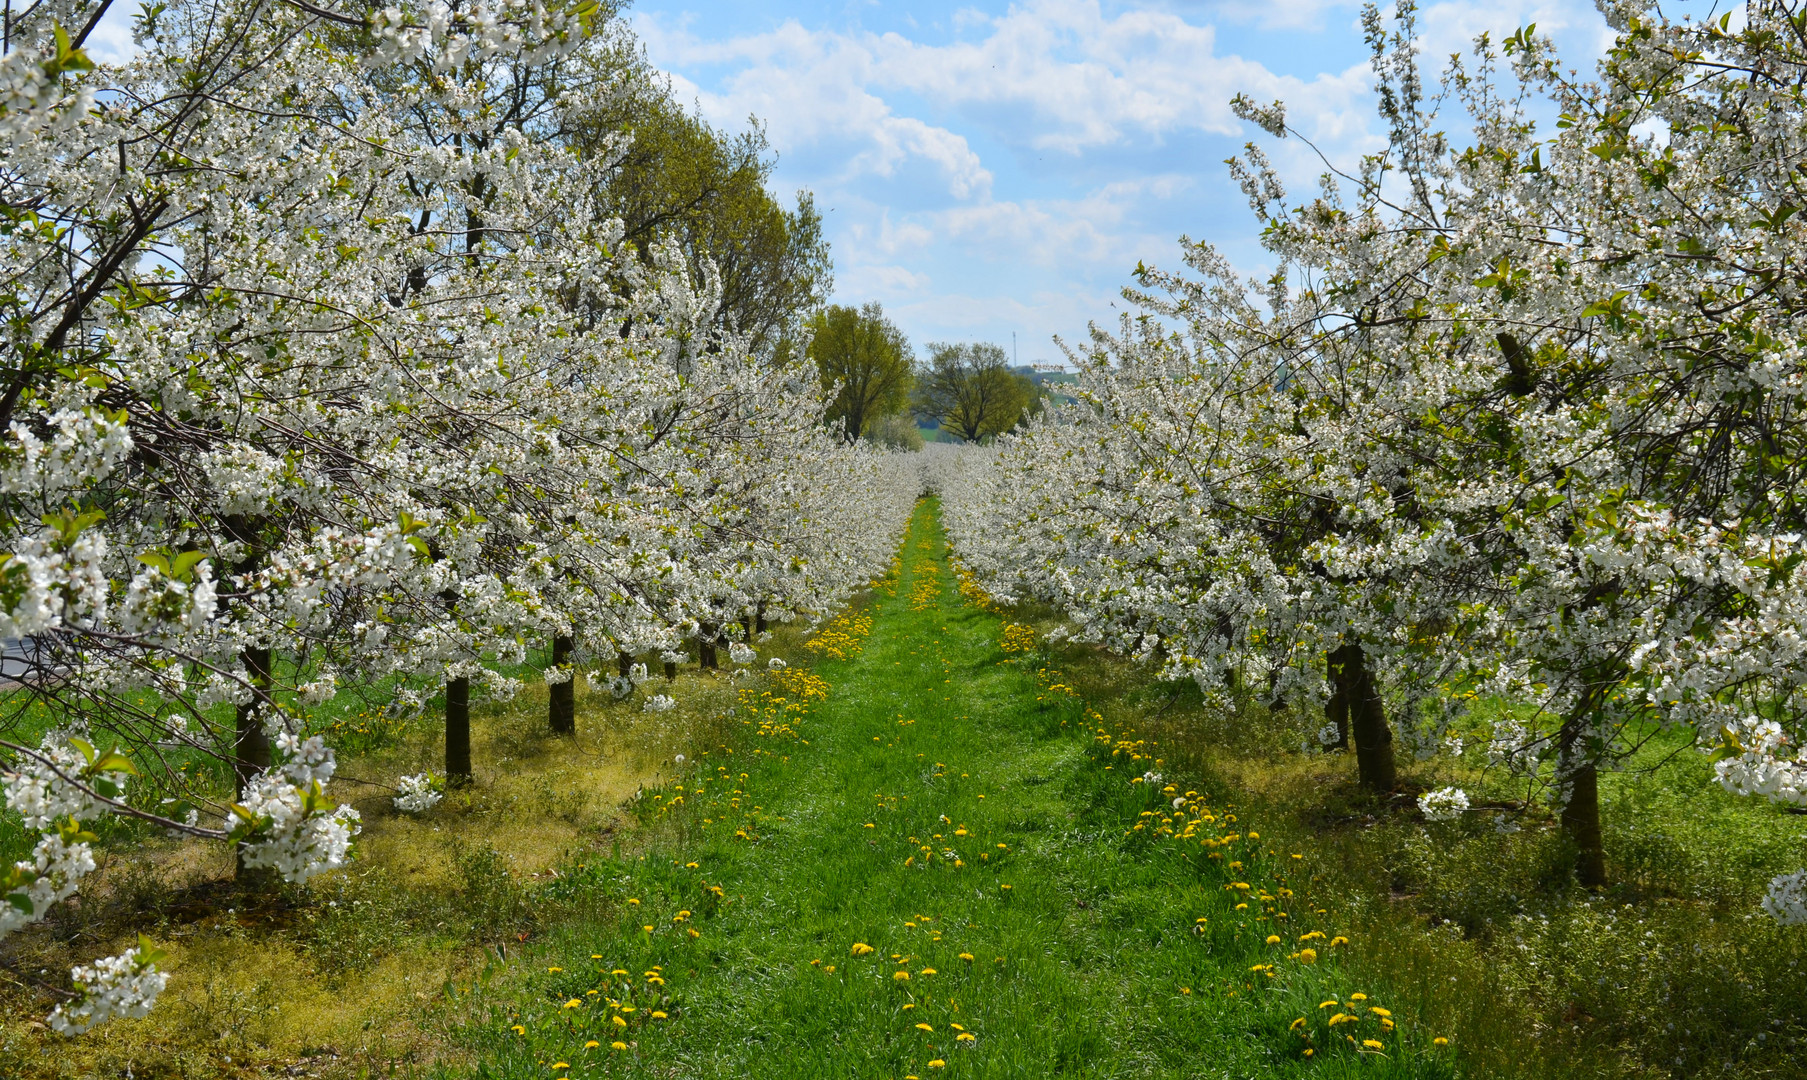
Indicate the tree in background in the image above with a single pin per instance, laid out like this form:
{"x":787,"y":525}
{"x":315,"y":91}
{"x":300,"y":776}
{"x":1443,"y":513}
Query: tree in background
{"x":895,"y":431}
{"x":868,"y":357}
{"x":676,"y":178}
{"x":972,"y":390}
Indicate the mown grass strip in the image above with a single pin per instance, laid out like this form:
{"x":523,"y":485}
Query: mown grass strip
{"x":948,"y":867}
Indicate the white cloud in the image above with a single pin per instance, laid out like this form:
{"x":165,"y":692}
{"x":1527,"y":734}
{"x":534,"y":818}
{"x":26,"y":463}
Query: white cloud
{"x":1056,"y":75}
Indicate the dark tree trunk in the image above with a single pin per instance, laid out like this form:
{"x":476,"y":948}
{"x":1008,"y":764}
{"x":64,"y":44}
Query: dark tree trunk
{"x":747,"y":625}
{"x":705,"y":648}
{"x":1581,"y":814}
{"x":563,"y":708}
{"x":458,"y":732}
{"x":625,"y":661}
{"x":671,"y":671}
{"x":759,"y":618}
{"x":251,"y":743}
{"x":1336,"y":710}
{"x":1368,"y":726}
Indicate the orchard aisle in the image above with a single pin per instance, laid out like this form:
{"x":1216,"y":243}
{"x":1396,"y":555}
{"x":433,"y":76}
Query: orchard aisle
{"x":933,"y":872}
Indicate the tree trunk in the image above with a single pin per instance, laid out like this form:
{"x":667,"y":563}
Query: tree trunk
{"x":563,"y":708}
{"x":625,"y":661}
{"x":705,"y":648}
{"x":747,"y":625}
{"x":251,"y":743}
{"x":458,"y":732}
{"x":1581,"y":813}
{"x":1367,"y":720}
{"x":671,"y":671}
{"x":759,"y":618}
{"x":1336,"y":710}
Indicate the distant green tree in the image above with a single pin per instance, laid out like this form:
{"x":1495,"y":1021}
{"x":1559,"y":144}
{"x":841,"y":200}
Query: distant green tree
{"x":675,"y":177}
{"x":868,"y":358}
{"x":897,"y":430}
{"x":972,"y":391}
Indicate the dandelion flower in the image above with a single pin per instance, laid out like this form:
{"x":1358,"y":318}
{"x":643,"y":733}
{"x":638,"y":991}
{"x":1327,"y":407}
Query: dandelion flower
{"x":618,"y":1021}
{"x":966,"y":956}
{"x":1308,"y":956}
{"x":1273,"y":939}
{"x":518,"y":1030}
{"x":901,"y":976}
{"x":966,"y":1036}
{"x":1374,"y":1044}
{"x":1358,"y":997}
{"x":561,"y":1064}
{"x":574,"y":1003}
{"x":924,"y":1027}
{"x":1296,"y":1024}
{"x":1327,"y":1004}
{"x":1439,"y":1041}
{"x":937,"y":1064}
{"x":617,"y":1045}
{"x":860,"y":948}
{"x":928,"y":971}
{"x":591,"y":1045}
{"x":658,"y":1015}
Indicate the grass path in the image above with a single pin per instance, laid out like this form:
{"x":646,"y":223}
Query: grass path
{"x":942,"y":869}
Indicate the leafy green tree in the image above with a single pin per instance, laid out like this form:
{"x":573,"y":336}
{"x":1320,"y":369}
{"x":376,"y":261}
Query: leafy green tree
{"x":675,"y":177}
{"x":868,"y":357}
{"x":972,"y":391}
{"x":897,"y":431}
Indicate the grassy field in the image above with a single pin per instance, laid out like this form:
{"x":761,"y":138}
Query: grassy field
{"x":934,"y":846}
{"x":952,"y":867}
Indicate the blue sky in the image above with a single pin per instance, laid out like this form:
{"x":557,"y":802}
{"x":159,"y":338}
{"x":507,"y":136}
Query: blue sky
{"x":1001,"y":167}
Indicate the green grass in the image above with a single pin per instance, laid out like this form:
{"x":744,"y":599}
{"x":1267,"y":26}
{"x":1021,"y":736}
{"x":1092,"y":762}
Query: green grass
{"x":1088,"y":956}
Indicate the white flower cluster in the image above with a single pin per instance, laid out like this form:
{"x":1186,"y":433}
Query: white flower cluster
{"x":776,"y":663}
{"x":126,"y":985}
{"x":659,"y":703}
{"x":419,"y":793}
{"x":54,"y":872}
{"x":741,"y":653}
{"x":1786,"y":899}
{"x":1443,"y":804}
{"x":1761,"y":761}
{"x":285,"y":821}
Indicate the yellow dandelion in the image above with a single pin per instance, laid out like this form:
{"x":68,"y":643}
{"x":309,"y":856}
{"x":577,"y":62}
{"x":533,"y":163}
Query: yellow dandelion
{"x":1374,"y":1044}
{"x":574,"y":1003}
{"x":591,"y":1045}
{"x":928,"y":971}
{"x":901,"y":976}
{"x":518,"y":1030}
{"x":924,"y":1027}
{"x":860,"y":948}
{"x":937,"y":1064}
{"x":1273,"y":939}
{"x":1439,"y":1041}
{"x":658,"y":1015}
{"x":618,"y":1045}
{"x":966,"y":956}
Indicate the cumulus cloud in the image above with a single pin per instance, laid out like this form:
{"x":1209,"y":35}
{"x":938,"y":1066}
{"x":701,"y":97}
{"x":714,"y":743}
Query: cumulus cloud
{"x":1007,"y":166}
